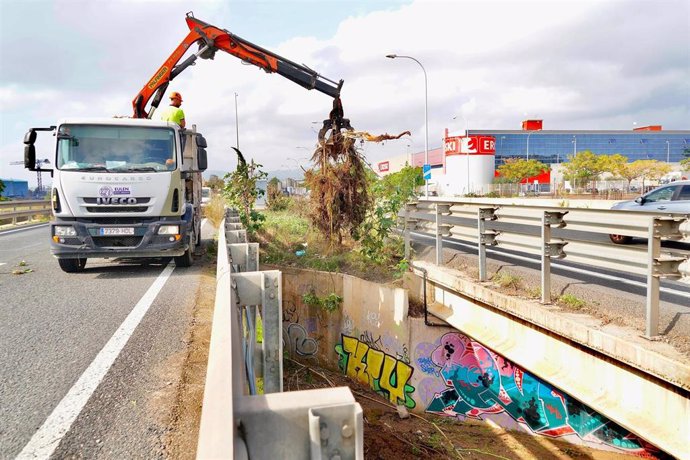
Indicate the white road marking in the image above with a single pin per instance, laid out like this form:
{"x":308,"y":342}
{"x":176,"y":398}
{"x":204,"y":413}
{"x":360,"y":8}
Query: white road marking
{"x":44,"y":442}
{"x":564,"y":267}
{"x":7,"y":232}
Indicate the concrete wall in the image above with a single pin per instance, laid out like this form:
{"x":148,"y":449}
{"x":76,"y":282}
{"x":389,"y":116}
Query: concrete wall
{"x":431,"y":369}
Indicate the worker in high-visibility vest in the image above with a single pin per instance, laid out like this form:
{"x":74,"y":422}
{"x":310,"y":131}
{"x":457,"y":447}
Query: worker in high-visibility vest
{"x":173,"y":112}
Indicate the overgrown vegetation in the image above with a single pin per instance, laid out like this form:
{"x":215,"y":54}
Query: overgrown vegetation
{"x":389,"y":195}
{"x":329,"y":303}
{"x":275,"y":200}
{"x":339,"y":197}
{"x":571,"y":301}
{"x":370,"y":250}
{"x":685,"y":164}
{"x":241,"y":192}
{"x":215,"y":209}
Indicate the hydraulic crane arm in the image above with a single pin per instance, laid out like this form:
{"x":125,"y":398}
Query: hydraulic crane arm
{"x":210,"y":39}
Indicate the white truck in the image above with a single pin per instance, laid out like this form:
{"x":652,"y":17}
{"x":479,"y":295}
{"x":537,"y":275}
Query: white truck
{"x":123,"y":188}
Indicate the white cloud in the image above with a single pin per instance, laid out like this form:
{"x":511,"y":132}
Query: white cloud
{"x":577,"y":64}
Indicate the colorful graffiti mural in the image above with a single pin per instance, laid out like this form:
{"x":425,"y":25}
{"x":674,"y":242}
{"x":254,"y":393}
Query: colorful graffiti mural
{"x":382,"y":372}
{"x":479,"y":382}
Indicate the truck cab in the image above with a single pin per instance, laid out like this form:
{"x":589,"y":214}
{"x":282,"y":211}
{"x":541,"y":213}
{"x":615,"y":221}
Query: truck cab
{"x":124,"y":188}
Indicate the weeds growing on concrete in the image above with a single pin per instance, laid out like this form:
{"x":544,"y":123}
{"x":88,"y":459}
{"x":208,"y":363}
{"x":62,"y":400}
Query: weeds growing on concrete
{"x":570,"y":301}
{"x":507,"y":280}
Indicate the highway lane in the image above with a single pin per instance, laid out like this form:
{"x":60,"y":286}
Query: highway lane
{"x":54,"y":324}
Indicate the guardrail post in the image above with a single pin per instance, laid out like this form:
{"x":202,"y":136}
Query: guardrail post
{"x":661,"y":266}
{"x":485,"y":238}
{"x":408,"y":224}
{"x":653,"y":281}
{"x":549,"y":250}
{"x":442,"y":230}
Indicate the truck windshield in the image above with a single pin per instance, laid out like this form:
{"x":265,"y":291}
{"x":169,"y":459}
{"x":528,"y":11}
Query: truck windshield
{"x":115,"y":148}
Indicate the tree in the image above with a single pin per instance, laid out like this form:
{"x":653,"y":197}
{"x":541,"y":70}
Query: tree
{"x":241,"y":192}
{"x":2,"y":187}
{"x":389,"y":194}
{"x":632,"y":171}
{"x":275,"y":200}
{"x":215,"y":183}
{"x":515,"y":170}
{"x":584,"y":167}
{"x":684,"y":163}
{"x":657,"y":169}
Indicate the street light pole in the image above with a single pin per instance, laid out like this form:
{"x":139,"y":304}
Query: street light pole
{"x":574,"y":145}
{"x":528,"y":135}
{"x":668,"y":151}
{"x":426,"y":116}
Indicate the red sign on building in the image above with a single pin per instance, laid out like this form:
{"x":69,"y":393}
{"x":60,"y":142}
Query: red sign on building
{"x":384,"y":166}
{"x":474,"y":145}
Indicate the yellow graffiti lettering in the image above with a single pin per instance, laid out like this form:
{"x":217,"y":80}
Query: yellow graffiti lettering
{"x":356,"y":367}
{"x":402,"y":373}
{"x":374,"y":364}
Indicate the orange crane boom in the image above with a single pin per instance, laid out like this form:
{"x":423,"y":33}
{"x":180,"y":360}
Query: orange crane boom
{"x":210,"y":39}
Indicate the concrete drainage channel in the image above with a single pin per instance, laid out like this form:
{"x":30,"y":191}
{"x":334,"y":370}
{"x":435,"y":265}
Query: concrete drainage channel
{"x":510,"y":361}
{"x":236,"y":421}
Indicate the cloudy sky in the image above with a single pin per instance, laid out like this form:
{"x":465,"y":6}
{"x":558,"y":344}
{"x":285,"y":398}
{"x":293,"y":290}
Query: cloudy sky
{"x":489,"y":64}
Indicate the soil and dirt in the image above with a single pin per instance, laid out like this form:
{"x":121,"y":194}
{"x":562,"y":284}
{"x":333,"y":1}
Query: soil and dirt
{"x":386,"y":435}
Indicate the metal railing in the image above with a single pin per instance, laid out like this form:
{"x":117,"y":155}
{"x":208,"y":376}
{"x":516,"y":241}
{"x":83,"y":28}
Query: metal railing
{"x":236,"y":420}
{"x":13,"y":211}
{"x":529,"y":229}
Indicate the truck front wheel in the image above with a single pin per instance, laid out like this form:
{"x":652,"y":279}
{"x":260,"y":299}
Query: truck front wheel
{"x":72,"y":265}
{"x":186,"y":259}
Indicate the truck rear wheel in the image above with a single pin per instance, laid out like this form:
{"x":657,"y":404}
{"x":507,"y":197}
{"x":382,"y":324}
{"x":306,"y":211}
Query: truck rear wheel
{"x":72,"y":265}
{"x":186,"y":259}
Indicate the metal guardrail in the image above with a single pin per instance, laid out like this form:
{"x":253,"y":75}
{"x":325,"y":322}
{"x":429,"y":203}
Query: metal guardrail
{"x":483,"y":223}
{"x":15,"y":210}
{"x":237,"y":421}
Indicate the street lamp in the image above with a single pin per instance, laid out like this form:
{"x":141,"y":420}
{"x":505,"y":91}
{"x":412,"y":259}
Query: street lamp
{"x":574,"y":145}
{"x":426,"y":117}
{"x":668,"y":151}
{"x":528,"y":135}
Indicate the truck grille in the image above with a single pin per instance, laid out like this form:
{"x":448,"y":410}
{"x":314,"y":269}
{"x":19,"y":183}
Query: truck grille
{"x":117,"y":241}
{"x":106,"y":209}
{"x":140,"y":200}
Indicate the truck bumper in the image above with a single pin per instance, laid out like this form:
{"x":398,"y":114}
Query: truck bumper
{"x":137,"y":240}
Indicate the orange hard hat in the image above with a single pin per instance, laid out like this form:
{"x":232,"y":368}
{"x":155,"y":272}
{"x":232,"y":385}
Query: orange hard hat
{"x":176,"y":95}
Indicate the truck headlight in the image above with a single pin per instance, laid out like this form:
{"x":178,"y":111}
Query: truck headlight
{"x":169,"y":230}
{"x":64,"y":230}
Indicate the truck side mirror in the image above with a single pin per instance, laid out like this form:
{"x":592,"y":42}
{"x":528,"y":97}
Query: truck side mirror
{"x":201,"y":141}
{"x":201,"y":159}
{"x":30,"y":137}
{"x":30,"y":156}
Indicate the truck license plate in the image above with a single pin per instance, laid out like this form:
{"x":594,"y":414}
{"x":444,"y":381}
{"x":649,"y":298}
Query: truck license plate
{"x":117,"y":231}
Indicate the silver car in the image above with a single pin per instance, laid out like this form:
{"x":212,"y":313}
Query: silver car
{"x":670,"y":198}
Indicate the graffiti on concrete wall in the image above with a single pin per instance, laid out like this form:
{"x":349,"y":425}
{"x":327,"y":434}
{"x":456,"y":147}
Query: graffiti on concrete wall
{"x":478,"y":381}
{"x":383,"y":373}
{"x":296,"y":341}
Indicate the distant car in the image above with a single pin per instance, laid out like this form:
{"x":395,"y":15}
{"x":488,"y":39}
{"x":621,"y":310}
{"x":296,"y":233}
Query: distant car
{"x":671,"y":198}
{"x":205,"y":196}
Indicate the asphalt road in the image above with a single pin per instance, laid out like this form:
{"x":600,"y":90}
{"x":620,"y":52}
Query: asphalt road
{"x":56,"y":328}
